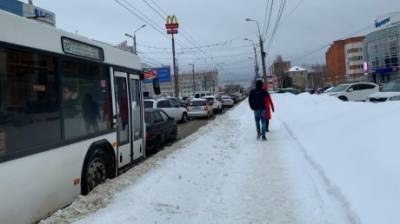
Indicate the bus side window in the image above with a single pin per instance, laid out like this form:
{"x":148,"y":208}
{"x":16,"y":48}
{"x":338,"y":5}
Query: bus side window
{"x":87,"y":109}
{"x":29,"y":102}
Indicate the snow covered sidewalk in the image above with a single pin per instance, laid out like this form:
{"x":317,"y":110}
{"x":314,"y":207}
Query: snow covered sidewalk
{"x":222,"y":174}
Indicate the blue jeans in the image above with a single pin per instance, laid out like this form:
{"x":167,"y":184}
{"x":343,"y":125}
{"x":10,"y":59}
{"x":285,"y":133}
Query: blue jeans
{"x":259,"y":116}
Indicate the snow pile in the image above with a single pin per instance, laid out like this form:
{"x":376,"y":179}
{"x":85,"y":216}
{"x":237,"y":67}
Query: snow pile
{"x":354,"y":146}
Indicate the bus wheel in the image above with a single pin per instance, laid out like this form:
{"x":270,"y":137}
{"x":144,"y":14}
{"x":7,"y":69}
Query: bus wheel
{"x":95,"y":171}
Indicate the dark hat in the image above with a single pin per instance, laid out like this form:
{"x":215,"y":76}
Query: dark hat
{"x":259,"y":84}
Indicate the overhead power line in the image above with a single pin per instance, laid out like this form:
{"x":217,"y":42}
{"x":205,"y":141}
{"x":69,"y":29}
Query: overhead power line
{"x":292,"y":11}
{"x":268,"y":23}
{"x":277,"y":21}
{"x":141,"y":18}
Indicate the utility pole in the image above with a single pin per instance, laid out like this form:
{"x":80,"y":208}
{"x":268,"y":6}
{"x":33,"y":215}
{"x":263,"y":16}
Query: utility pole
{"x":194,"y":85}
{"x":134,"y":45}
{"x":176,"y":78}
{"x":263,"y":54}
{"x":213,"y":89}
{"x":172,"y":26}
{"x":256,"y":69}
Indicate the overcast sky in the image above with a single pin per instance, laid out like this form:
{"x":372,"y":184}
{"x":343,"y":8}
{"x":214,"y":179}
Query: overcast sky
{"x":306,"y":25}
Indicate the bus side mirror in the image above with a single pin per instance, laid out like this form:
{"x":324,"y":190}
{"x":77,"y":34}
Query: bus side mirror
{"x":156,"y":86}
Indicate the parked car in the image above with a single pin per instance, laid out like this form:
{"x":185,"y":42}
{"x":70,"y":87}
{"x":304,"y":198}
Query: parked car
{"x":200,"y":108}
{"x":180,"y":101}
{"x":227,"y":101}
{"x":390,"y":92}
{"x":171,"y":107}
{"x":354,"y":91}
{"x":329,"y":89}
{"x":216,"y":104}
{"x":289,"y":90}
{"x":235,"y":98}
{"x":159,"y":128}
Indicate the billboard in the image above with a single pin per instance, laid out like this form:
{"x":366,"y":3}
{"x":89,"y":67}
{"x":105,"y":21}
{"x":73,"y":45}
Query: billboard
{"x":163,"y":74}
{"x":387,"y":20}
{"x":11,"y":6}
{"x":29,"y":11}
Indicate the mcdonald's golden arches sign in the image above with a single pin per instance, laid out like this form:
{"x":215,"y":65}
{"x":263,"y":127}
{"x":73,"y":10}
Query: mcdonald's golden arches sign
{"x":172,"y":25}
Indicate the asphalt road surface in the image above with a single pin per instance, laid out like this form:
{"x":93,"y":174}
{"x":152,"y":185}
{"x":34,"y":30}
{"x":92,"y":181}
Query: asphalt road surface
{"x":190,"y":127}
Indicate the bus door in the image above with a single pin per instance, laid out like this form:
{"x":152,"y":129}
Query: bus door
{"x":125,"y":153}
{"x":137,"y":116}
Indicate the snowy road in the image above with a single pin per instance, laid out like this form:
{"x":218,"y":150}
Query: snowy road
{"x":221,"y":174}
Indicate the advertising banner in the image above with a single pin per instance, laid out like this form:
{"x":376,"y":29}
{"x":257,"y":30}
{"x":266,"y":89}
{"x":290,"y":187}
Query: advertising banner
{"x":163,"y":74}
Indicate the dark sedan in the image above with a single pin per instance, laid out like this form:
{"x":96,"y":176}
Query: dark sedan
{"x":159,"y":128}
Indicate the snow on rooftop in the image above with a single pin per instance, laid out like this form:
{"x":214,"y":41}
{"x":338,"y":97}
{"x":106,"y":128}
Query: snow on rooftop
{"x":297,"y":69}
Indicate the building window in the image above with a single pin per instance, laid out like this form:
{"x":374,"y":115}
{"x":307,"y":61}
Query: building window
{"x":354,"y":50}
{"x":353,"y":67}
{"x":29,"y":102}
{"x":86,"y":102}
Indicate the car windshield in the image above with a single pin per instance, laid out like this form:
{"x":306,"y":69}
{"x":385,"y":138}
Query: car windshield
{"x":148,"y":104}
{"x":393,"y":86}
{"x":339,"y":88}
{"x":198,"y":103}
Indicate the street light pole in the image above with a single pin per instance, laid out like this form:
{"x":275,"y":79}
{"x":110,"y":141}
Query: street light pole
{"x":134,"y":37}
{"x":261,"y":49}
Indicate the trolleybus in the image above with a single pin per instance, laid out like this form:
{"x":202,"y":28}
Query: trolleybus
{"x":71,"y":116}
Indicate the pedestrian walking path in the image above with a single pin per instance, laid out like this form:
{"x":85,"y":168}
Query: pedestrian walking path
{"x":225,"y":175}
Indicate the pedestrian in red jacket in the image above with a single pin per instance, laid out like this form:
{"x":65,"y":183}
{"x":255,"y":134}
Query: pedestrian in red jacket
{"x":269,"y":105}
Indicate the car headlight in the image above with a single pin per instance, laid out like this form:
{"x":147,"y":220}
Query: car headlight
{"x":394,"y":98}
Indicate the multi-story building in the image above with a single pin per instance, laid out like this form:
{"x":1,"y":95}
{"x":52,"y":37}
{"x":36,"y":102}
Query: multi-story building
{"x":354,"y":58}
{"x":278,"y":69}
{"x":299,"y":77}
{"x":189,"y":84}
{"x":344,"y":61}
{"x":382,"y":49}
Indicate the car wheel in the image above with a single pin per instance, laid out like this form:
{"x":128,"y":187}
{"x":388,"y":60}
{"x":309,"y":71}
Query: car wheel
{"x":174,"y":135}
{"x":184,"y":118}
{"x":95,"y":170}
{"x":343,"y":98}
{"x":159,"y":142}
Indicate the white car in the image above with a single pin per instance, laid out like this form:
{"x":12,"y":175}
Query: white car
{"x":390,"y":92}
{"x":200,"y":108}
{"x":171,"y":107}
{"x":216,"y":104}
{"x":354,"y":91}
{"x":227,"y":101}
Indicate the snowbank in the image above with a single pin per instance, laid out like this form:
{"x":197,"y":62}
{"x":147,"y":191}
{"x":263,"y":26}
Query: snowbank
{"x":354,"y":145}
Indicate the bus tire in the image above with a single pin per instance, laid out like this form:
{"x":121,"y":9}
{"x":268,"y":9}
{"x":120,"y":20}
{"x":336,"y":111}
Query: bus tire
{"x":97,"y":168}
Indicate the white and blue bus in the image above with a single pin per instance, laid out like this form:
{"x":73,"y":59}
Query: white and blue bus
{"x":71,"y":116}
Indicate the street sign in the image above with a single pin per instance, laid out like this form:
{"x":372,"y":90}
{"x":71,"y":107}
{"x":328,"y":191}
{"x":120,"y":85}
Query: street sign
{"x":172,"y":25}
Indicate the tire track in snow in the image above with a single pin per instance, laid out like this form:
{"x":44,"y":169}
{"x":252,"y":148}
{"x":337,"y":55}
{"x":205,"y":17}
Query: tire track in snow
{"x":332,"y":190}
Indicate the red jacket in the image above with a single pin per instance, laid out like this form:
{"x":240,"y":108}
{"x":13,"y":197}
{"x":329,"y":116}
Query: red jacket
{"x":268,"y":105}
